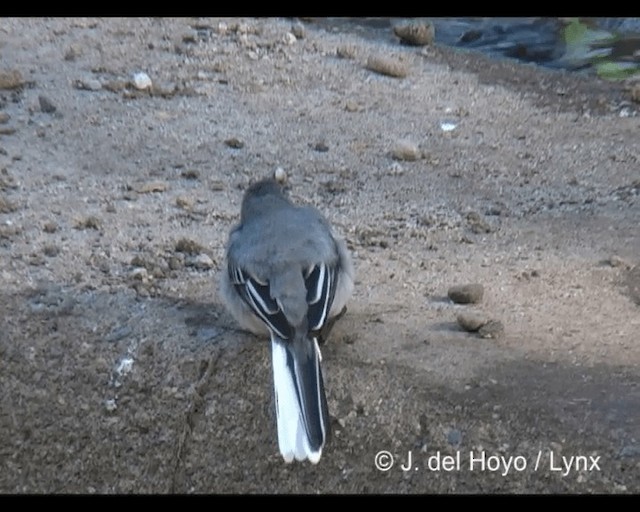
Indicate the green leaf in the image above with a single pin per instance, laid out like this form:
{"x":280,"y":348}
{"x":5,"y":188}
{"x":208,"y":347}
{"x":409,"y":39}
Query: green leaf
{"x":616,"y":70}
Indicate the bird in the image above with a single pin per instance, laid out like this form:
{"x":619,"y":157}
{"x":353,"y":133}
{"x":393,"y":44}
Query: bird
{"x":288,"y":275}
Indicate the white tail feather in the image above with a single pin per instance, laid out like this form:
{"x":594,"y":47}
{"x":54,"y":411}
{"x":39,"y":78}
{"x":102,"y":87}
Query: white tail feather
{"x":292,"y":437}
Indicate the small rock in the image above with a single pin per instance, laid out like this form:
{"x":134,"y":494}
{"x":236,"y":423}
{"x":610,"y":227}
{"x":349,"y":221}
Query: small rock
{"x":234,"y":143}
{"x":217,"y":185}
{"x":141,"y":81}
{"x":289,"y":38}
{"x":190,"y":174}
{"x":11,"y":79}
{"x":71,"y":54}
{"x":184,"y":202}
{"x":7,"y":206}
{"x":7,"y":130}
{"x":140,"y":273}
{"x":201,"y":262}
{"x":352,"y":106}
{"x":471,"y":321}
{"x":635,"y":93}
{"x":174,"y":263}
{"x":492,"y":329}
{"x":321,"y":147}
{"x":395,"y":169}
{"x":90,"y":84}
{"x":405,"y":150}
{"x":51,"y":250}
{"x":4,"y":118}
{"x":46,"y":105}
{"x":188,"y":246}
{"x":153,"y":186}
{"x":466,"y":293}
{"x":50,"y":227}
{"x":415,"y":34}
{"x":280,"y":175}
{"x":387,"y":66}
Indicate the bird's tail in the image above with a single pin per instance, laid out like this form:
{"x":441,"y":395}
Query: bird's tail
{"x":301,"y":404}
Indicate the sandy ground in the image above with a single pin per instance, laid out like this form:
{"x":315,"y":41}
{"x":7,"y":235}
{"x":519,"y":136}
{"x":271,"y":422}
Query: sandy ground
{"x":120,"y":370}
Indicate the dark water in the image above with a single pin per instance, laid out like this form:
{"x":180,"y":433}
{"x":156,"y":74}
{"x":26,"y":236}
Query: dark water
{"x":535,"y":40}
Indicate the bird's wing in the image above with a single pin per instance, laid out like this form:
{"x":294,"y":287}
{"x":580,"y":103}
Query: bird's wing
{"x":320,"y":282}
{"x":257,"y":295}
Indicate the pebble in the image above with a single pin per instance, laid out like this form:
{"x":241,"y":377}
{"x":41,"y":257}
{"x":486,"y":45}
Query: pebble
{"x":190,"y":174}
{"x":466,"y":293}
{"x":280,"y":175}
{"x":4,"y":118}
{"x":46,"y":105}
{"x":289,"y":38}
{"x":415,"y":34}
{"x":188,"y":246}
{"x":405,"y":150}
{"x":90,"y":84}
{"x":321,"y":147}
{"x":185,"y":203}
{"x":387,"y":66}
{"x":352,"y":106}
{"x":152,"y":186}
{"x":7,"y":206}
{"x":50,"y":227}
{"x":140,"y":273}
{"x":201,"y":262}
{"x":11,"y":79}
{"x":141,"y":81}
{"x":635,"y":93}
{"x":234,"y":143}
{"x":471,"y":321}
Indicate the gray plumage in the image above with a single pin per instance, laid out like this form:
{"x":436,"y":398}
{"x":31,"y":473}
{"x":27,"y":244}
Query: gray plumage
{"x":287,"y":275}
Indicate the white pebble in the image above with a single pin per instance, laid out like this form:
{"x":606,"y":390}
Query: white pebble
{"x":447,"y":126}
{"x":280,"y":175}
{"x":289,"y":38}
{"x":141,"y":81}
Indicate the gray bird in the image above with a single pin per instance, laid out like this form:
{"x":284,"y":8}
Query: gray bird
{"x":290,"y":276}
